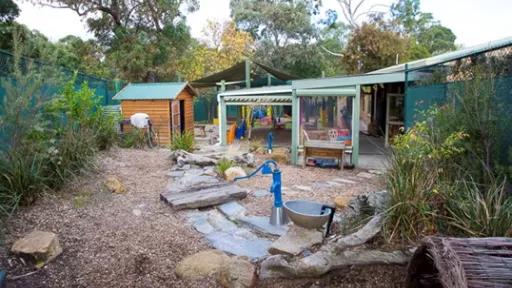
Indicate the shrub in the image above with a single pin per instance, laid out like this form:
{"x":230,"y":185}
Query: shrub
{"x":479,"y":211}
{"x":444,"y":170}
{"x":184,"y":141}
{"x":223,"y":165}
{"x":134,"y":138}
{"x":45,"y":141}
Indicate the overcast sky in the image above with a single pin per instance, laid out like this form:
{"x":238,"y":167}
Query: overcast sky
{"x":473,"y":21}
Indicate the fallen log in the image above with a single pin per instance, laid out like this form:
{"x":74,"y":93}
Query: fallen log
{"x":333,"y":256}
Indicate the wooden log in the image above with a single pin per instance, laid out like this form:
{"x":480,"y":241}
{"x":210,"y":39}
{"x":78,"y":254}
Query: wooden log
{"x":334,"y":255}
{"x":204,"y":198}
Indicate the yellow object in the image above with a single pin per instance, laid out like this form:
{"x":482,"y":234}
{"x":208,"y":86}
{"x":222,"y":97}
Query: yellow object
{"x":216,"y":121}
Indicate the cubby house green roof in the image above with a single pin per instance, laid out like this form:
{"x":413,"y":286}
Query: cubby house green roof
{"x":152,"y":91}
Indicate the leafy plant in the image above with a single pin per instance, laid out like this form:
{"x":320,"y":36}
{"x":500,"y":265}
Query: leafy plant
{"x":134,"y":138}
{"x":478,"y":212}
{"x":223,"y":165}
{"x":184,"y":141}
{"x":443,"y":171}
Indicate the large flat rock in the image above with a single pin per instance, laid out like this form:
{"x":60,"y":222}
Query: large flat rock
{"x":237,"y":245}
{"x":232,"y":209}
{"x":262,"y":224}
{"x":203,"y":198}
{"x":296,"y":240}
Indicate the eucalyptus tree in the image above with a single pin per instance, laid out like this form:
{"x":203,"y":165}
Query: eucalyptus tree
{"x":143,"y":38}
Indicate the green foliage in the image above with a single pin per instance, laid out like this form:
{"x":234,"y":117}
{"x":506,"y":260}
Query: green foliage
{"x":8,"y":11}
{"x":420,"y":26}
{"x":371,"y":47}
{"x":445,"y":175}
{"x":45,"y":139}
{"x":183,"y":141}
{"x":134,"y":138}
{"x":223,"y":165}
{"x":479,"y":211}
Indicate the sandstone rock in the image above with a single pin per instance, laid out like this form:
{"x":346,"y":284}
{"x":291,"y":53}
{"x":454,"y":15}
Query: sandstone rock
{"x":41,"y":246}
{"x":202,"y":264}
{"x":342,"y":201}
{"x":114,"y":185}
{"x":296,"y":240}
{"x":247,"y":159}
{"x":238,"y":273}
{"x":232,"y":172}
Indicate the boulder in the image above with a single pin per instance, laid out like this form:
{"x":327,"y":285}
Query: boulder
{"x":232,"y":172}
{"x":342,"y":201}
{"x":40,"y":246}
{"x":202,"y":264}
{"x":238,"y":273}
{"x":296,"y":240}
{"x":114,"y":185}
{"x":247,"y":159}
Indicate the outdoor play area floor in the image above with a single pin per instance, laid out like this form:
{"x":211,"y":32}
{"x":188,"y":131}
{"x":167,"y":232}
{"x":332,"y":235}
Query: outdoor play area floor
{"x":136,"y":240}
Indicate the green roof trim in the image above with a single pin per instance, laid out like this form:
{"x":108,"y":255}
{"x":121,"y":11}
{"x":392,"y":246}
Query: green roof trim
{"x":152,"y":91}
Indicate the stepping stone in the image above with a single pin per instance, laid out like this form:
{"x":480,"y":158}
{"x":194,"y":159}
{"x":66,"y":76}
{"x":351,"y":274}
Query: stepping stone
{"x":365,"y":175}
{"x":200,"y":223}
{"x":262,"y":224}
{"x":343,"y":180}
{"x":176,"y":173}
{"x":262,"y":193}
{"x":303,"y":188}
{"x":194,"y":172}
{"x":296,"y":240}
{"x":231,"y":209}
{"x":240,"y":246}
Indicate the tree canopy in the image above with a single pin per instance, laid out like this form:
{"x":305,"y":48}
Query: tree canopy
{"x":145,"y":41}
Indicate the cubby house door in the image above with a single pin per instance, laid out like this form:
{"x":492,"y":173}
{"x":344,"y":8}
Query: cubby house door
{"x":175,"y":117}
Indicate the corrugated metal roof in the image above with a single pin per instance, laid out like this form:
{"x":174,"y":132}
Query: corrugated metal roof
{"x":151,"y":91}
{"x":447,"y":57}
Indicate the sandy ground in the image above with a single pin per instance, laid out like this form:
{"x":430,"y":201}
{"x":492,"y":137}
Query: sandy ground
{"x":307,"y":183}
{"x":107,"y":245}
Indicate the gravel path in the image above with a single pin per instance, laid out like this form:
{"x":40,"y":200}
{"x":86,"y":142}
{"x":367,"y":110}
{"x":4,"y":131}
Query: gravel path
{"x":315,"y":184}
{"x":105,"y":244}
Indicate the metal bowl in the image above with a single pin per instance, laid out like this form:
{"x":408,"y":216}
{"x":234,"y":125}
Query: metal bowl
{"x":306,"y":214}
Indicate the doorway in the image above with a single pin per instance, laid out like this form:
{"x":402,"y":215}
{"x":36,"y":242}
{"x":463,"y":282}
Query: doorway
{"x":182,"y":116}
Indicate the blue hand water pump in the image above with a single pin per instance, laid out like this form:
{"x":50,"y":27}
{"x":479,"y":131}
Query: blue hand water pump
{"x":278,"y":217}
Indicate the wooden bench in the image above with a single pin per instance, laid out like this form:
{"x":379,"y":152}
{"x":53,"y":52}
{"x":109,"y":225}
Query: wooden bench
{"x":327,"y":149}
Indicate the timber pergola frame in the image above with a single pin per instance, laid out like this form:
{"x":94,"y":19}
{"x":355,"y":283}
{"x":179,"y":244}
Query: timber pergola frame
{"x":349,"y":86}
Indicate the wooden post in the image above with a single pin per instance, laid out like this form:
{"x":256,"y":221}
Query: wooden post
{"x":355,"y":125}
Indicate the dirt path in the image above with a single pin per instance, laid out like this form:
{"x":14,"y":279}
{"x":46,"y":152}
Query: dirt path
{"x":105,"y":244}
{"x":135,"y":240}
